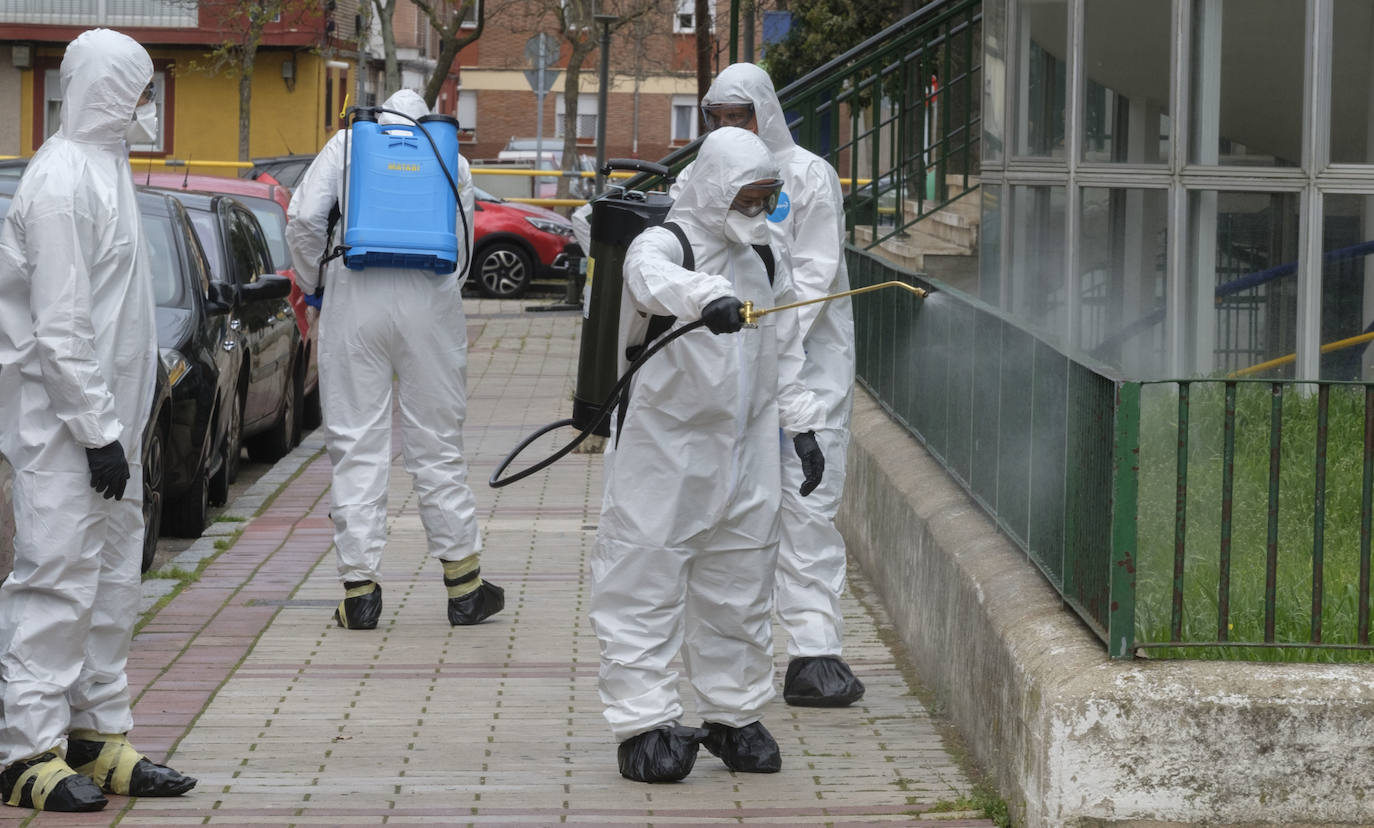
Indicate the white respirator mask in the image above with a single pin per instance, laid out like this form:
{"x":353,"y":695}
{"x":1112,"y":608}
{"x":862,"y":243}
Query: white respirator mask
{"x":143,"y":128}
{"x":744,"y":229}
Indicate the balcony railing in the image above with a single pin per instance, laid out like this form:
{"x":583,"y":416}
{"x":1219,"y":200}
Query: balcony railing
{"x":152,"y":13}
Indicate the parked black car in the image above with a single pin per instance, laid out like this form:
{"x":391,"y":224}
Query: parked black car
{"x":202,"y":353}
{"x":273,"y":380}
{"x":155,"y":436}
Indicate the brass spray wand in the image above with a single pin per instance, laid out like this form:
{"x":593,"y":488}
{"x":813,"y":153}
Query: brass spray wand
{"x":751,"y":315}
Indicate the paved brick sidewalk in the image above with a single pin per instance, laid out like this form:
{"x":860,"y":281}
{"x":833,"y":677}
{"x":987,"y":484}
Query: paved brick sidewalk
{"x":286,"y":719}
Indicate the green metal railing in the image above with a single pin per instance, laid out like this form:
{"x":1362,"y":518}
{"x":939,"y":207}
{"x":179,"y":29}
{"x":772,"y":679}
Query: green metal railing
{"x":907,"y":146}
{"x":1221,"y":518}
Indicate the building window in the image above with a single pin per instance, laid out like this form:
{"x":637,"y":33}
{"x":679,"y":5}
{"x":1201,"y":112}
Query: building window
{"x":1043,"y":50}
{"x":1247,"y":84}
{"x":50,"y":111}
{"x":1126,"y":99}
{"x":467,"y":113}
{"x":470,"y":16}
{"x":684,"y":118}
{"x":586,"y":117}
{"x":684,"y":18}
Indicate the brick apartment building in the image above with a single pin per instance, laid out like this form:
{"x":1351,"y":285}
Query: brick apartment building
{"x":652,"y":99}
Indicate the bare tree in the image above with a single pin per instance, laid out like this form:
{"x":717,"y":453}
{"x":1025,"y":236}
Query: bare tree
{"x":243,"y":22}
{"x":386,"y":11}
{"x":446,"y":18}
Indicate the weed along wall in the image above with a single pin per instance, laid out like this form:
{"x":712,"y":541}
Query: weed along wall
{"x":1069,"y":736}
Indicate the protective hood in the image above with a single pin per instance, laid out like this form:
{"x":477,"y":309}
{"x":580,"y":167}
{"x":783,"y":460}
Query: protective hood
{"x":729,"y":158}
{"x":748,"y":83}
{"x":104,"y":73}
{"x":407,"y":101}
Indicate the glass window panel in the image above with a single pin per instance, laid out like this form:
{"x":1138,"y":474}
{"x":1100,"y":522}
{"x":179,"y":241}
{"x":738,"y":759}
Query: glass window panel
{"x":1247,"y":76}
{"x":1242,"y":280}
{"x":1347,"y":292}
{"x":1122,"y":259}
{"x":995,"y":82}
{"x":1126,"y":100}
{"x":1038,"y":289}
{"x":990,"y":245}
{"x":1352,"y":82}
{"x":1043,"y":55}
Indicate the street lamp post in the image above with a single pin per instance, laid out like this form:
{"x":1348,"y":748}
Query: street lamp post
{"x":605,"y":20}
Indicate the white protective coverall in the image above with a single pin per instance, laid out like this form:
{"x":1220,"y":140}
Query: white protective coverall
{"x":375,"y":324}
{"x":688,"y":533}
{"x":809,"y":225}
{"x":78,"y":351}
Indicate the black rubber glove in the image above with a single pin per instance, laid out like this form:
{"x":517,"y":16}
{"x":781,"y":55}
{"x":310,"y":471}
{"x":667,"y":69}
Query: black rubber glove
{"x":723,"y":315}
{"x":109,"y":470}
{"x":812,"y":461}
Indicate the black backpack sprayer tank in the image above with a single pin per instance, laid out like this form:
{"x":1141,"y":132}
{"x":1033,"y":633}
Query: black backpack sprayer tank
{"x":617,"y":218}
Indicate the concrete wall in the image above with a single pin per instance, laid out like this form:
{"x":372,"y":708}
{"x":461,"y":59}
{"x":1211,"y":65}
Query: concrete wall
{"x":1071,"y":737}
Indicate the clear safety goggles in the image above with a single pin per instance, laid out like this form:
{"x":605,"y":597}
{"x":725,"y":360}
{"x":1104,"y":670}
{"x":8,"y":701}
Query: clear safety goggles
{"x":147,"y":96}
{"x":719,"y":115}
{"x":757,"y":197}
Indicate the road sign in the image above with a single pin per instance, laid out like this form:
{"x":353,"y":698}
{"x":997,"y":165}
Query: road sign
{"x":542,"y":52}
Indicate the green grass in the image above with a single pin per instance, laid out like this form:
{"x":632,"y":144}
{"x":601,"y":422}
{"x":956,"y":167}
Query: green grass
{"x":1297,"y":494}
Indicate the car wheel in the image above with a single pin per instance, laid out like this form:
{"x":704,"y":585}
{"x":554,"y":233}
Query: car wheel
{"x":229,"y":462}
{"x":312,"y":415}
{"x":188,"y":515}
{"x":504,"y":270}
{"x":152,"y":498}
{"x":273,"y":444}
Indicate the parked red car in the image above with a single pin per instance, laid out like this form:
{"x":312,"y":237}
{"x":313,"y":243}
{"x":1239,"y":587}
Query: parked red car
{"x":514,"y":242}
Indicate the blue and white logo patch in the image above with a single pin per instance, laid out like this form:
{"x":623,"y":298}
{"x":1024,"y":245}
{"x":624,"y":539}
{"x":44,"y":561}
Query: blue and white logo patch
{"x":784,"y":207}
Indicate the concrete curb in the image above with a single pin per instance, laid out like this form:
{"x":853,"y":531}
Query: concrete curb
{"x":1071,"y":737}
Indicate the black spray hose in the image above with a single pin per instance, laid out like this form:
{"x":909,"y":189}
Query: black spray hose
{"x":601,"y":414}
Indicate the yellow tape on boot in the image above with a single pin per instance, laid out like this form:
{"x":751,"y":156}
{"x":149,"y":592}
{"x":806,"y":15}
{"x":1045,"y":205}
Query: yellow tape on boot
{"x":112,"y":768}
{"x":355,"y":592}
{"x":46,"y":776}
{"x":462,"y":577}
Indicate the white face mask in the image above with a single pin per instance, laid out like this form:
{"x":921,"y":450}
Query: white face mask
{"x":745,"y":229}
{"x":143,"y":128}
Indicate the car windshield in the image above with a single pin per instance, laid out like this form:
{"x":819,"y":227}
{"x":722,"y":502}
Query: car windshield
{"x":269,"y":214}
{"x":169,"y":290}
{"x":204,"y":222}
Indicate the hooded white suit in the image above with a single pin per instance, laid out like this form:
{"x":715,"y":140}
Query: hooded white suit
{"x":809,"y":226}
{"x":689,"y":519}
{"x":78,"y":345}
{"x":375,"y":324}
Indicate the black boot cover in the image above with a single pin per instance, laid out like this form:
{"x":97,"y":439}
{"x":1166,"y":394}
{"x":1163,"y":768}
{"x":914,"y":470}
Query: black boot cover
{"x":664,"y":754}
{"x":821,"y":681}
{"x":118,"y":768}
{"x":471,"y":600}
{"x":361,"y":607}
{"x":48,"y":783}
{"x":748,"y":749}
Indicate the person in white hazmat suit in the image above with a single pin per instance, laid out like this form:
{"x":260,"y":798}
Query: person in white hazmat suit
{"x":78,"y":344}
{"x":376,"y":324}
{"x":808,"y":225}
{"x":688,"y":533}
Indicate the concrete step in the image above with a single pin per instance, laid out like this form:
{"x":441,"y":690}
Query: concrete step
{"x":919,"y":250}
{"x":951,"y":227}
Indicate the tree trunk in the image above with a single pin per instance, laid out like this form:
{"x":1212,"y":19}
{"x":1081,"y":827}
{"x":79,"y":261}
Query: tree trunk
{"x":246,"y":98}
{"x":393,"y":71}
{"x":571,"y":77}
{"x":448,"y":51}
{"x":701,"y":20}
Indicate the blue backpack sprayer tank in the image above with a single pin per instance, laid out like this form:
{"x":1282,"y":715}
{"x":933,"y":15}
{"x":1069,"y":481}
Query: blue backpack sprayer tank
{"x":617,"y":218}
{"x":401,"y":203}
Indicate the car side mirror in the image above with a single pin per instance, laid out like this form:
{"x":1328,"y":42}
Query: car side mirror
{"x":268,"y":286}
{"x":220,"y":298}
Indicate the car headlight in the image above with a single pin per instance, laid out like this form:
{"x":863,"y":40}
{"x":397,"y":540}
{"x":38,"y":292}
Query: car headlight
{"x":175,"y":363}
{"x":557,"y":228}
